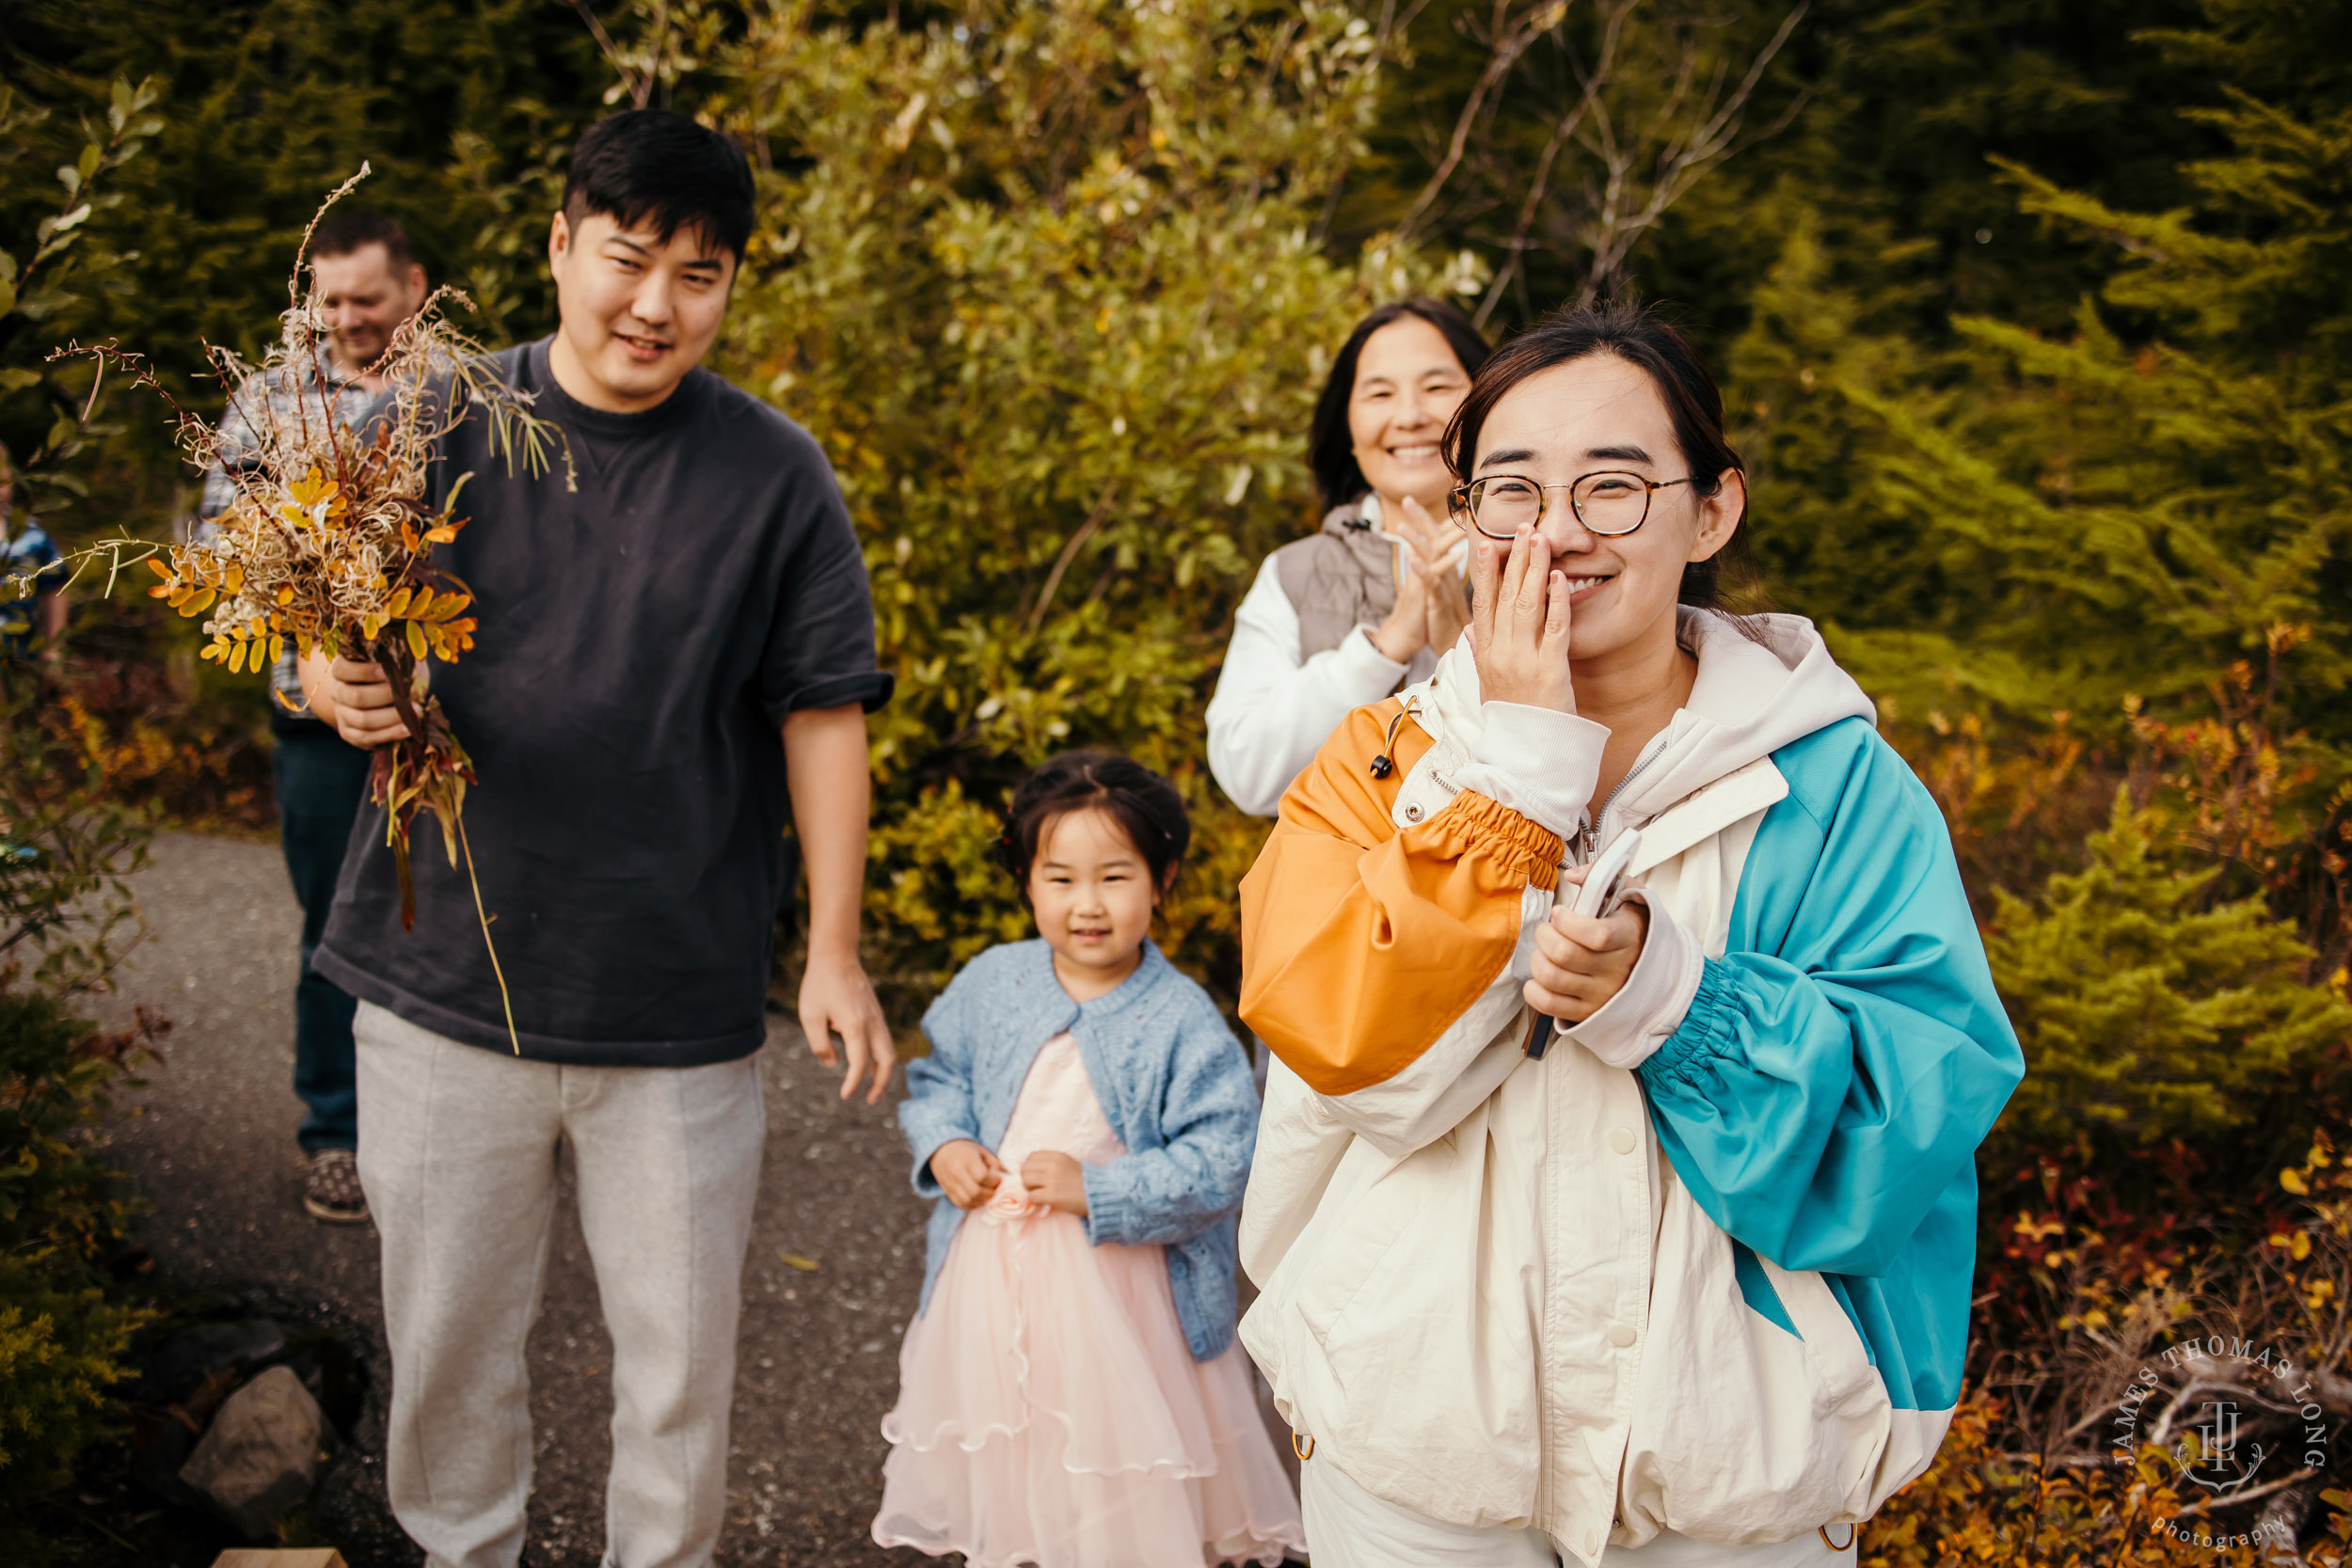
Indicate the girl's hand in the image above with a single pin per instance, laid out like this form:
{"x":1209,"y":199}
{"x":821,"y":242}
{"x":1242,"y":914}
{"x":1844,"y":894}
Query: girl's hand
{"x":1520,"y":625}
{"x":1580,"y":961}
{"x":966,"y":1172}
{"x":1056,"y":1181}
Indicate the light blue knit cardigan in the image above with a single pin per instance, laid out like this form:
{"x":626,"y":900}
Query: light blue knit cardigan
{"x":1173,"y":1084}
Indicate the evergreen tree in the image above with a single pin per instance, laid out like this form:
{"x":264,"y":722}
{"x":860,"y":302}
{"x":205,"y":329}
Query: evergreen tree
{"x":2145,"y":1015}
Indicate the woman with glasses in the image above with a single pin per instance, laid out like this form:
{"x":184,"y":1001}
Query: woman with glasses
{"x":1637,"y":1219}
{"x":1342,"y":617}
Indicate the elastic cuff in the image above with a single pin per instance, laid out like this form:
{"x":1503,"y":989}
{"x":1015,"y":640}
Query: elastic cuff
{"x":1363,"y":672}
{"x":1705,"y":1027}
{"x":1649,"y":1007}
{"x":1529,"y":852}
{"x":1537,"y":761}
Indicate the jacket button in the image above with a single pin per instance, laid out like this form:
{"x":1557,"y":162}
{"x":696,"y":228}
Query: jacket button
{"x":1176,"y":1267}
{"x":1412,"y":814}
{"x":1621,"y":1334}
{"x":1621,"y":1139}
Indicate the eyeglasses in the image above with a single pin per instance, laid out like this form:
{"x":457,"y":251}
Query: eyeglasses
{"x":1499,"y":505}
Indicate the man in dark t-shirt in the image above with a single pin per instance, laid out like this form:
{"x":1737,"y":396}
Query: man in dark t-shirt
{"x":666,"y":655}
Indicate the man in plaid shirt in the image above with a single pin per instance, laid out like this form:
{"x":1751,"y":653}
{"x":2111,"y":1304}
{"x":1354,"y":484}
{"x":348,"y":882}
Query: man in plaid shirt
{"x":370,"y":282}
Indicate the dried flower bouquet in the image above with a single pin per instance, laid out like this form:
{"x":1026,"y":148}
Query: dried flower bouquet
{"x":327,"y":546}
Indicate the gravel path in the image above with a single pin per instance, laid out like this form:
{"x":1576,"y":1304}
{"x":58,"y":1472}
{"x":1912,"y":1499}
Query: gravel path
{"x":210,"y":1143}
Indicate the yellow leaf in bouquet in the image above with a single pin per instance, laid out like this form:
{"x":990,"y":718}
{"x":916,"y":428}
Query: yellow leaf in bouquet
{"x":286,"y":595}
{"x":371,"y":626}
{"x":161,"y":591}
{"x":448,"y":605}
{"x":236,"y":658}
{"x":398,"y":604}
{"x":318,"y":496}
{"x":156,"y":567}
{"x":197,"y":602}
{"x":424,"y":597}
{"x":408,"y":538}
{"x":277,"y":649}
{"x":416,"y":639}
{"x":233,"y":579}
{"x":210,"y":650}
{"x":445,"y":534}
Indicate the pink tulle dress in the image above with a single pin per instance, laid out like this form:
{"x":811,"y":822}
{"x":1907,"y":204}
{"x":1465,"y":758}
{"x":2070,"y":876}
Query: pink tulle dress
{"x":1050,"y":1415}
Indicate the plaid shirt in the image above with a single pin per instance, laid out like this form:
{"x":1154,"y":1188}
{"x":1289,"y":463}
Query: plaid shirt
{"x":352,"y":403}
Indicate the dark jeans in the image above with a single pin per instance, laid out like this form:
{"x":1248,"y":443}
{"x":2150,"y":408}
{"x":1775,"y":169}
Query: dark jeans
{"x":321,"y":781}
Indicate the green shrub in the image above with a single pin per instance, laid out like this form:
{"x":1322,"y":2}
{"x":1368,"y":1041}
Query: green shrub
{"x":1044,"y":281}
{"x":58,"y":1345}
{"x":2148,"y":1014}
{"x":61,"y":1213}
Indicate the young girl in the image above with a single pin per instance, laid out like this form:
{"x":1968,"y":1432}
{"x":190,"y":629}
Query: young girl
{"x":1071,"y":1395}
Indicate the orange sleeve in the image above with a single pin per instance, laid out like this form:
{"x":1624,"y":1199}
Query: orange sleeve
{"x":1362,"y":944}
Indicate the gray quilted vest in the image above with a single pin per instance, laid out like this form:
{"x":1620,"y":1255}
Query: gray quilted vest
{"x":1337,"y":580}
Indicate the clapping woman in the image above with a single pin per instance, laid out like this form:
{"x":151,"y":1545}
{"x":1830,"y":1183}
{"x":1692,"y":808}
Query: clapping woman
{"x":1368,"y":602}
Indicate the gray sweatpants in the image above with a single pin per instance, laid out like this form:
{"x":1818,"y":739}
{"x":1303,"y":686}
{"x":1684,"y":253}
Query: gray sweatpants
{"x":457,"y":1154}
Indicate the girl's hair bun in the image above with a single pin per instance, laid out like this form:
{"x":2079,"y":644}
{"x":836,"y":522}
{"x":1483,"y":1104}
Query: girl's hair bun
{"x":1146,"y":805}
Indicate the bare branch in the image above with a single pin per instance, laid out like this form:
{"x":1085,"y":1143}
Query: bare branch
{"x":1511,"y":38}
{"x":1592,"y":82}
{"x":1070,"y":553}
{"x":640,"y":88}
{"x":1685,"y":157}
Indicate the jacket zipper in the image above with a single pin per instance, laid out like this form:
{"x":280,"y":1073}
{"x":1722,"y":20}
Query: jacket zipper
{"x":1588,"y":830}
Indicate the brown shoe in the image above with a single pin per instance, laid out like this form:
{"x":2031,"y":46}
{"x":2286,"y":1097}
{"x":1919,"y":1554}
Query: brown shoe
{"x":331,"y":1191}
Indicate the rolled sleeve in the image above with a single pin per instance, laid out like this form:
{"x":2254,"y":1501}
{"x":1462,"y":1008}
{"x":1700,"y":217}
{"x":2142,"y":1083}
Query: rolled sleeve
{"x":1536,"y":760}
{"x":1656,"y":997}
{"x":819,"y":652}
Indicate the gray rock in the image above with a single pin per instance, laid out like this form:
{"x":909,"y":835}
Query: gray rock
{"x":179,"y":1371}
{"x":261,"y":1456}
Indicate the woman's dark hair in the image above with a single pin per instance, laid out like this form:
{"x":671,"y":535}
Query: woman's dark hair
{"x":1642,"y":337}
{"x":1331,"y":446}
{"x":659,"y":167}
{"x":1146,"y":806}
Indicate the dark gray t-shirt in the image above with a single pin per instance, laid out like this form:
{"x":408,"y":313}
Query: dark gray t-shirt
{"x":641,"y":643}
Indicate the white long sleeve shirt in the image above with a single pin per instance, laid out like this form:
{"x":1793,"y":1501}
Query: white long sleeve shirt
{"x":1273,"y":710}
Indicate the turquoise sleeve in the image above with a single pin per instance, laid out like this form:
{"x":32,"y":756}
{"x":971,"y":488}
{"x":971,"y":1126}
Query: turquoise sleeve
{"x":1845,"y":1055}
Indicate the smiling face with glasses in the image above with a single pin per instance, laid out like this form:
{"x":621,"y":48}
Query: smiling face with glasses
{"x":1582,"y":513}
